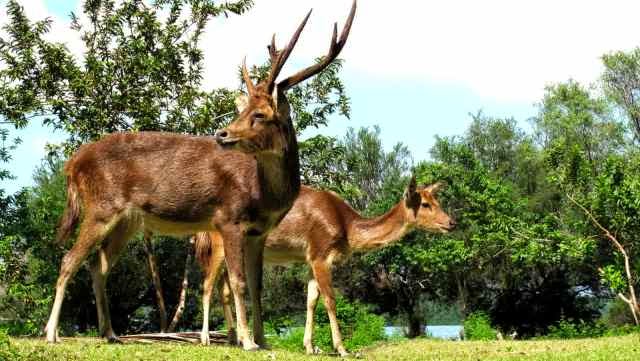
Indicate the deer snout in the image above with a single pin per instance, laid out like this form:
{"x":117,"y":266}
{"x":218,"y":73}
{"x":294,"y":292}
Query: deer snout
{"x":223,"y":137}
{"x":452,"y":223}
{"x":221,"y":134}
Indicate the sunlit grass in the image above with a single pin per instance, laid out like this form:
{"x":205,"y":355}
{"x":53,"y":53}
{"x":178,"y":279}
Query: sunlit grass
{"x":606,"y":348}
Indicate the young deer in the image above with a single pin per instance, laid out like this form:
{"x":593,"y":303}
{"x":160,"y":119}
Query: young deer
{"x":320,"y":229}
{"x":240,"y":184}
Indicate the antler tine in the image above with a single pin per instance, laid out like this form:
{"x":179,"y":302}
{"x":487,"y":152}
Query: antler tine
{"x":273,"y":51}
{"x":282,"y":55}
{"x":334,"y":49}
{"x":334,"y":36}
{"x":246,"y":77}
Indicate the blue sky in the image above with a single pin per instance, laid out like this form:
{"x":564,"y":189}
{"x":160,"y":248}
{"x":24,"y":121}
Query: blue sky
{"x":415,"y":73}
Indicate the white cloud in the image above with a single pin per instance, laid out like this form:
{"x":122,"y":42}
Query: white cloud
{"x":501,"y":49}
{"x":505,"y":50}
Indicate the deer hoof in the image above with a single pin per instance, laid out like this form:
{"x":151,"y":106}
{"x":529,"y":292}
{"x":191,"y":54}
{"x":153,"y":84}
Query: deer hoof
{"x":52,"y":336}
{"x":343,"y":352}
{"x":250,"y":346}
{"x":232,"y":338}
{"x":114,"y":339}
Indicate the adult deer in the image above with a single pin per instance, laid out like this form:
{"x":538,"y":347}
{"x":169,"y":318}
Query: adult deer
{"x":240,"y":183}
{"x":320,"y":229}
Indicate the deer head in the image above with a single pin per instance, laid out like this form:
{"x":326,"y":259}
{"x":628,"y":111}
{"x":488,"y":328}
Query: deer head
{"x":264,"y":121}
{"x":426,"y":208}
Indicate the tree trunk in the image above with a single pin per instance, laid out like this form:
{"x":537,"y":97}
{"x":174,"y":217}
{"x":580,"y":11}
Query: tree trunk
{"x":183,"y":291}
{"x":462,"y":294}
{"x":415,"y":328}
{"x":157,"y":283}
{"x":633,"y":307}
{"x":632,"y":300}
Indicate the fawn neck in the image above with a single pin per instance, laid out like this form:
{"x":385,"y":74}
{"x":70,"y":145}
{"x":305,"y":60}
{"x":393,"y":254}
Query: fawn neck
{"x":367,"y":234}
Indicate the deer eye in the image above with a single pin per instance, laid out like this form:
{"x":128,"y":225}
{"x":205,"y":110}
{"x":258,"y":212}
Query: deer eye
{"x":426,"y":205}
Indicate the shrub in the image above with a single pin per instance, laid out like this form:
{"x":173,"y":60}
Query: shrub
{"x":622,"y":330}
{"x":368,"y":329}
{"x":290,"y":340}
{"x":568,"y":328}
{"x":359,"y":328}
{"x":7,"y":350}
{"x":477,"y":326}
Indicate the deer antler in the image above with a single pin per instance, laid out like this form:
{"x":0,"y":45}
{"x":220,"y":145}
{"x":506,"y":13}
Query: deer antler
{"x":246,"y":77}
{"x":334,"y":49}
{"x":279,"y":57}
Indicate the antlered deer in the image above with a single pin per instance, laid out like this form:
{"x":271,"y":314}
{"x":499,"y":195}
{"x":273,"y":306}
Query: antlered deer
{"x":240,"y":183}
{"x":320,"y":229}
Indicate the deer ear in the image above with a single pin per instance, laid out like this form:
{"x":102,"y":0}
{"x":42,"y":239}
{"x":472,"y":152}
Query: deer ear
{"x":435,"y":187}
{"x":274,"y":96}
{"x":241,"y":101}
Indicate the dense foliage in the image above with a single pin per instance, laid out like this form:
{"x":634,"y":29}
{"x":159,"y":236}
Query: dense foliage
{"x":548,"y":229}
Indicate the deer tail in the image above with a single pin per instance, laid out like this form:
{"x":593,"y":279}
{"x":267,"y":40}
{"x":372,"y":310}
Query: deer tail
{"x":203,"y":248}
{"x":71,"y":214}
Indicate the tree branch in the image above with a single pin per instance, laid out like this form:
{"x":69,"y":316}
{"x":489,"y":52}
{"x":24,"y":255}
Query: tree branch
{"x":632,"y":300}
{"x":183,"y":291}
{"x":606,"y":232}
{"x":157,"y":283}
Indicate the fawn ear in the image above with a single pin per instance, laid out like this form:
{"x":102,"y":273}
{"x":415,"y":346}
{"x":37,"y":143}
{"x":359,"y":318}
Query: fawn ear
{"x":435,"y":187}
{"x":241,"y":101}
{"x":411,"y":197}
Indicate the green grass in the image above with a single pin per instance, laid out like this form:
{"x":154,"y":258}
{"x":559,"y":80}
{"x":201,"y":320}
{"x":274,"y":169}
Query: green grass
{"x":606,"y":348}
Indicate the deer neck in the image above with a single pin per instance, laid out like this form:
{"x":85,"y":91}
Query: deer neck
{"x":370,"y":233}
{"x":280,"y":173}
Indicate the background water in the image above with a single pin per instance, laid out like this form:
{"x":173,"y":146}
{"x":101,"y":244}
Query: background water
{"x":447,"y":332}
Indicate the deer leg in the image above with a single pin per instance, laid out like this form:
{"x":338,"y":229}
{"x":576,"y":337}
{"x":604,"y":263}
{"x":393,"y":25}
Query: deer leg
{"x":322,"y":274}
{"x":106,"y":257}
{"x":91,"y":232}
{"x":214,"y":265}
{"x":226,"y":294}
{"x":254,"y":265}
{"x":234,"y":250}
{"x":312,"y":299}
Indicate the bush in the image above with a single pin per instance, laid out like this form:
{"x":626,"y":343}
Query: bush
{"x":477,"y":326}
{"x":621,"y":330}
{"x":565,"y":329}
{"x":7,"y":350}
{"x":290,"y":340}
{"x":568,"y":328}
{"x":359,"y":328}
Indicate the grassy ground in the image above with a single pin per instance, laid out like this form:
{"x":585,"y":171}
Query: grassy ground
{"x":608,"y":348}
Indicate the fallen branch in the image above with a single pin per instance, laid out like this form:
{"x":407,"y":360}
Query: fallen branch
{"x":185,"y":337}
